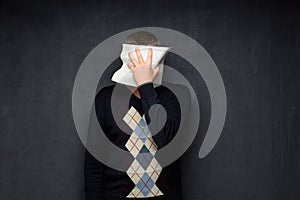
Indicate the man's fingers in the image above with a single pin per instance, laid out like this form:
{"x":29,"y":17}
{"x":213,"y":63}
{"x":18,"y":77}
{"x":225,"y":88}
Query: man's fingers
{"x":133,"y":60}
{"x":139,"y":55}
{"x":130,"y":66}
{"x":156,"y":70}
{"x":149,"y":56}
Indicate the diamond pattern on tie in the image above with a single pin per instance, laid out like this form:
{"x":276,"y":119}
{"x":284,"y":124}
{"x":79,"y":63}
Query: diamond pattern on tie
{"x":145,"y":169}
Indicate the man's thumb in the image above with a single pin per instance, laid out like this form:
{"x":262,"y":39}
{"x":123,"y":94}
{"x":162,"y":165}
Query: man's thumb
{"x":156,"y":70}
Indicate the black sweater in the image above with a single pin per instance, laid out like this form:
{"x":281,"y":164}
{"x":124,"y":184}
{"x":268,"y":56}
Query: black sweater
{"x":105,"y":183}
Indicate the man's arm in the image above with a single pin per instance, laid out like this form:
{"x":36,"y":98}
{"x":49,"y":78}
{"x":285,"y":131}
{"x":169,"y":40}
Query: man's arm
{"x":144,"y":75}
{"x":93,"y":168}
{"x":93,"y":174}
{"x":171,"y":106}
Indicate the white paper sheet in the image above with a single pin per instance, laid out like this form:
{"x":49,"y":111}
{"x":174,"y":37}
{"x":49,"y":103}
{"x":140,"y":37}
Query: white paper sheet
{"x":124,"y":74}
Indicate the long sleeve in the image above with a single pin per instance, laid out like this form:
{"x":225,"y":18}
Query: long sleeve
{"x":93,"y":169}
{"x":93,"y":172}
{"x":172,"y":107}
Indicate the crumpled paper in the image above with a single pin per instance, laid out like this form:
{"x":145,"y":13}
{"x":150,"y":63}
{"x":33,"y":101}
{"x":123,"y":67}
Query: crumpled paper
{"x":124,"y":74}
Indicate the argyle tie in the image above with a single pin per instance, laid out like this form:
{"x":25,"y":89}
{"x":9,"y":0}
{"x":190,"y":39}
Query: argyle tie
{"x":145,"y":169}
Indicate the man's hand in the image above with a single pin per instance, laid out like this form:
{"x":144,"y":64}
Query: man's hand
{"x":142,"y":70}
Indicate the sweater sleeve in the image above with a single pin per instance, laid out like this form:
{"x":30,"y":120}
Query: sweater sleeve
{"x":93,"y":169}
{"x":169,"y":103}
{"x":93,"y":173}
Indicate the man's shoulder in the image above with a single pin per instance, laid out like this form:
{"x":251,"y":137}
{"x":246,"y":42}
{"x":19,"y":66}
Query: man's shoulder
{"x":165,"y":89}
{"x":104,"y":93}
{"x":172,"y":89}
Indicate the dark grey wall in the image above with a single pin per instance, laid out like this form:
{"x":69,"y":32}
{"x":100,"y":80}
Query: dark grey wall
{"x":255,"y":46}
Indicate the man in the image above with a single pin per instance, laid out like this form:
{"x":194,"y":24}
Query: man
{"x":105,"y":183}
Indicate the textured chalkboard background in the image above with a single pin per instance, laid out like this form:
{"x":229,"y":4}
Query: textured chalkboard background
{"x":255,"y":45}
